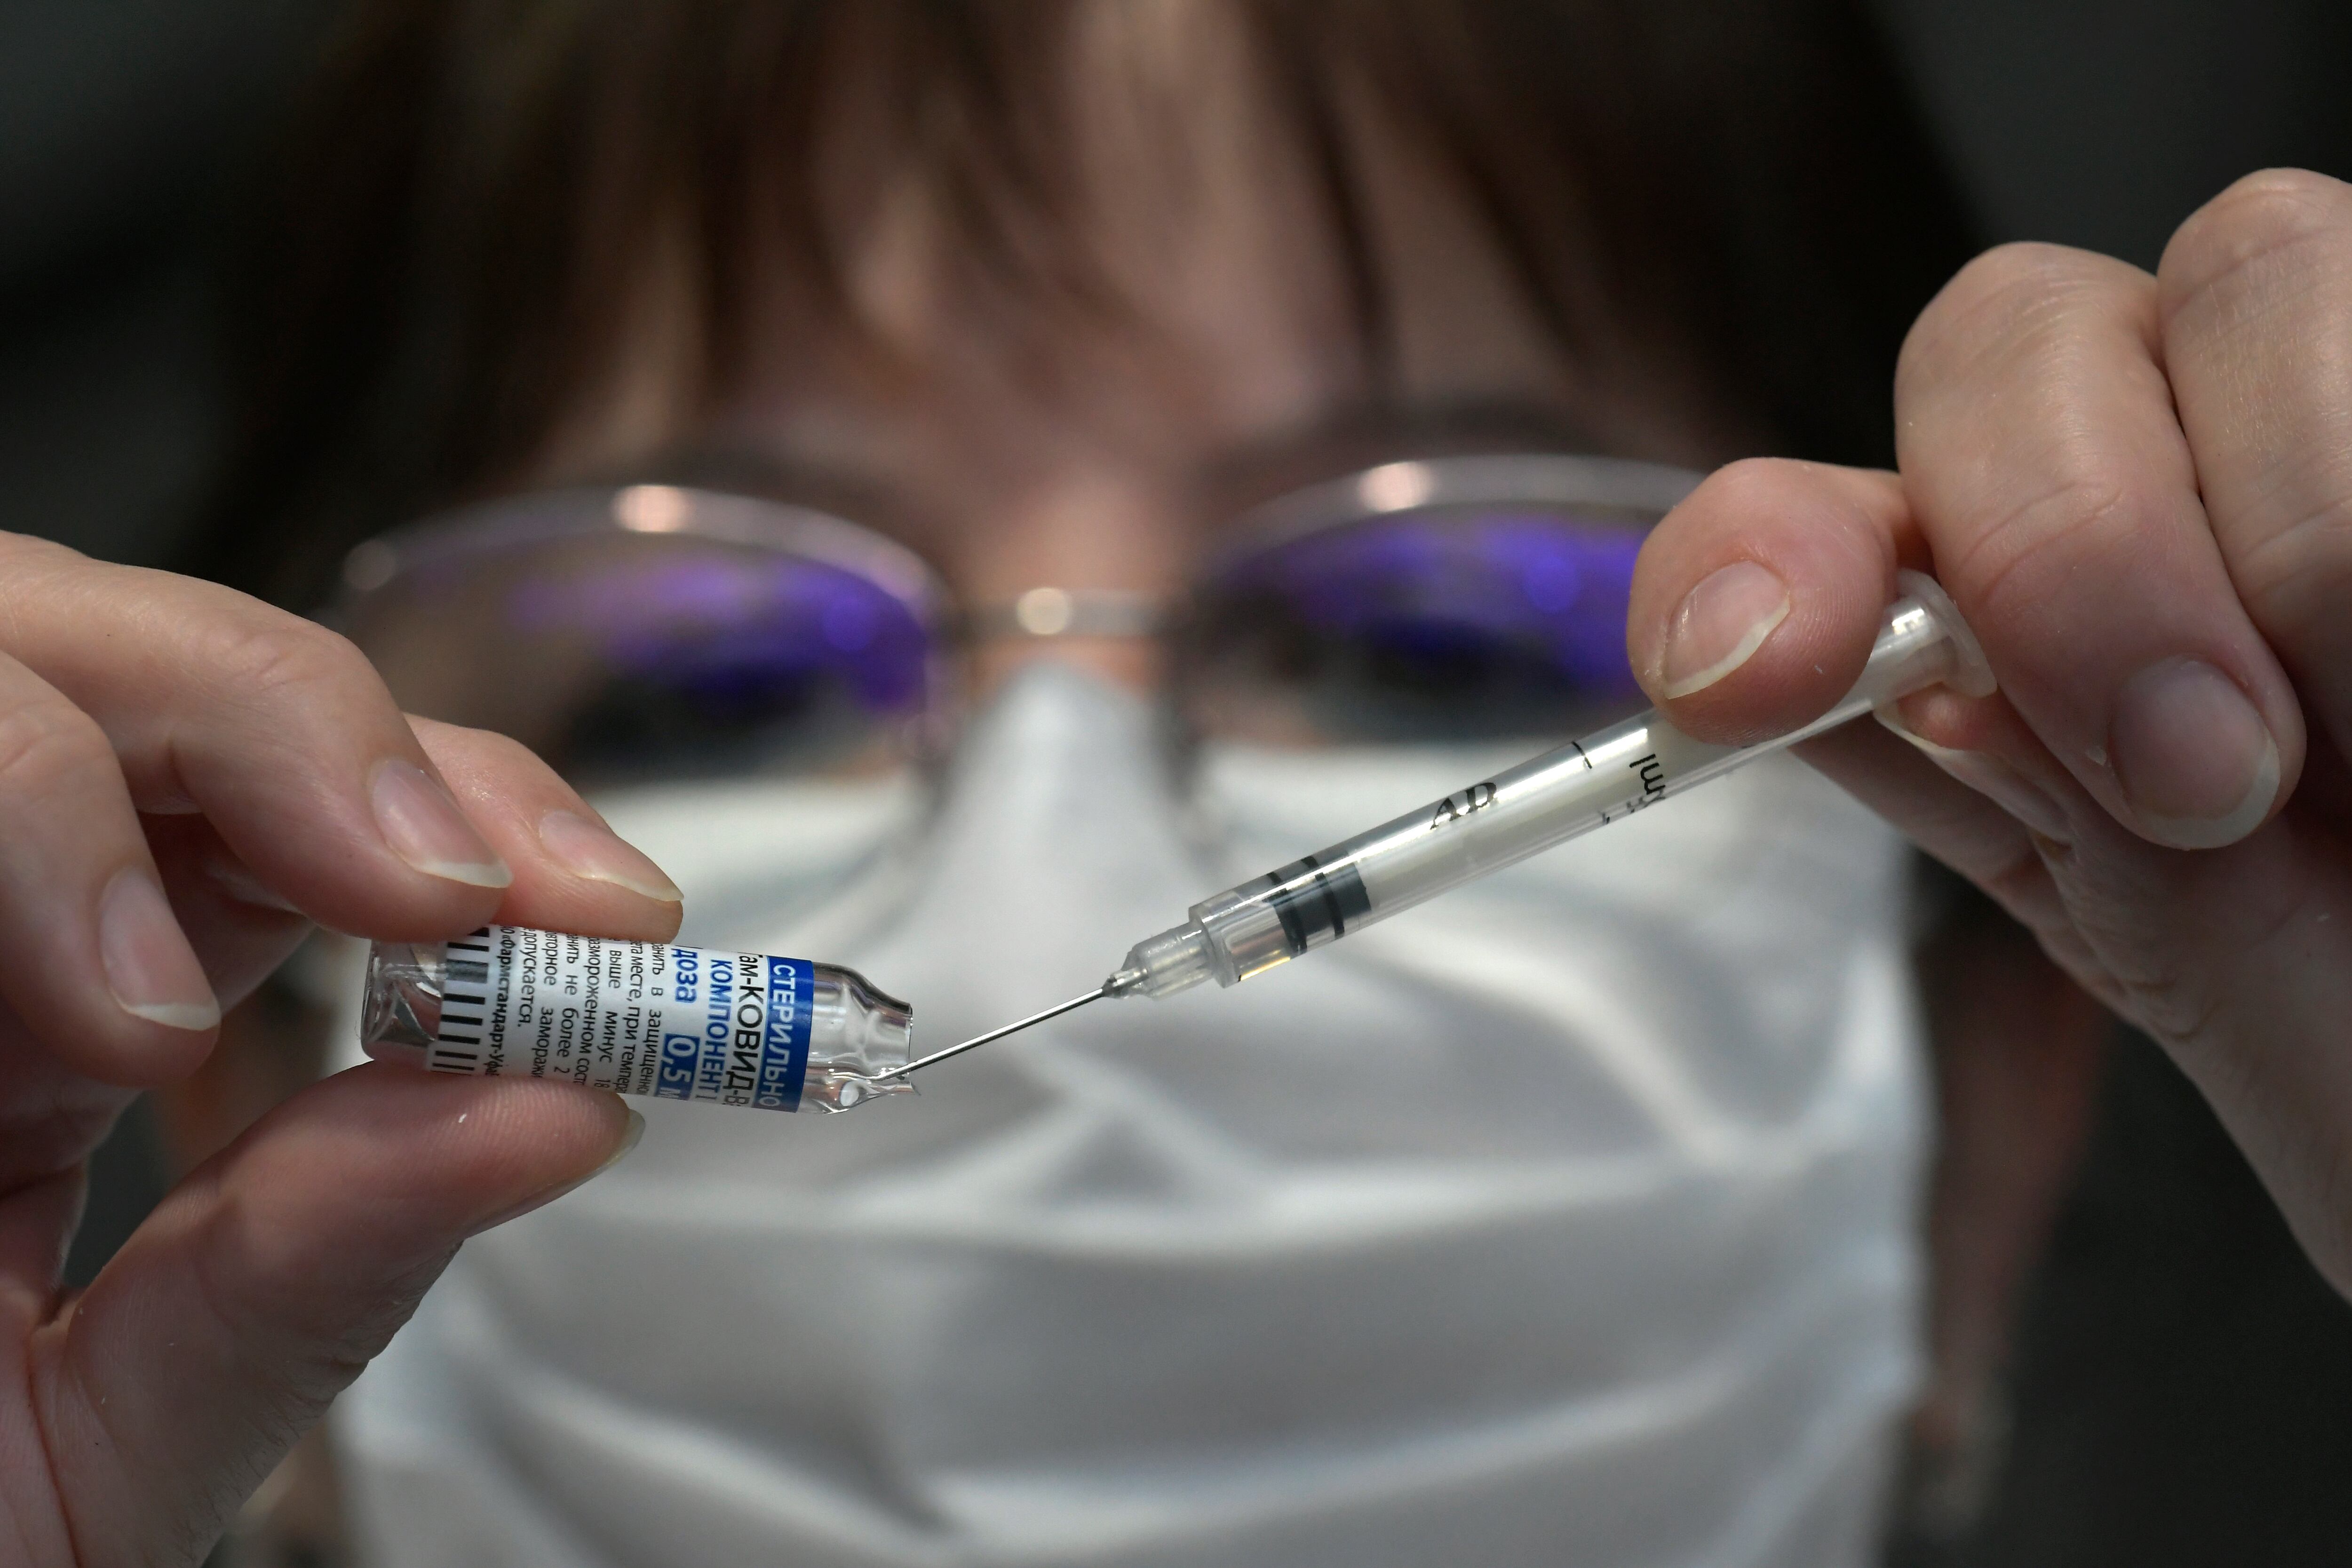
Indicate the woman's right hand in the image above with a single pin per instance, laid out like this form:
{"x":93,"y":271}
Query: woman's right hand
{"x":188,"y":780}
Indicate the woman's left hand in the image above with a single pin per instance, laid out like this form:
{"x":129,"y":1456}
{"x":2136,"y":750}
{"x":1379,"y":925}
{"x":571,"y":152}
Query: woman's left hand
{"x":2138,"y":489}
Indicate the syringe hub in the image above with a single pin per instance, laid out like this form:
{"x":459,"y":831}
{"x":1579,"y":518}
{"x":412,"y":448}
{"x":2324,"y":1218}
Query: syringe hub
{"x":1176,"y":960}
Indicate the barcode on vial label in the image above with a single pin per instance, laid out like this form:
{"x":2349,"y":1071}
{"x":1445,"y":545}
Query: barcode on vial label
{"x":458,"y":1046}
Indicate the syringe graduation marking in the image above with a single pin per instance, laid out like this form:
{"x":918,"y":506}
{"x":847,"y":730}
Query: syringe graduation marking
{"x":1652,"y":775}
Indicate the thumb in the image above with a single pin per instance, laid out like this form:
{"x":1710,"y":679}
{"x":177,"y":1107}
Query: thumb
{"x":266,"y":1280}
{"x":1756,"y":601}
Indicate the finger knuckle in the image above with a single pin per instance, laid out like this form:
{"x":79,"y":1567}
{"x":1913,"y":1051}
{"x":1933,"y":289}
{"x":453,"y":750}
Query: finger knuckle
{"x":284,"y":1295}
{"x":21,"y":551}
{"x":2031,"y":554}
{"x":2030,"y":265}
{"x":2281,"y":217}
{"x":281,"y":658}
{"x":2013,"y":298}
{"x":2019,"y":883}
{"x":2298,"y":573}
{"x":46,"y":747}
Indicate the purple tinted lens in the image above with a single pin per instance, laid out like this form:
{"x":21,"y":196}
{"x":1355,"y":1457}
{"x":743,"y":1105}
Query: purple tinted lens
{"x":736,"y":634}
{"x":697,"y":658}
{"x":1523,"y":605}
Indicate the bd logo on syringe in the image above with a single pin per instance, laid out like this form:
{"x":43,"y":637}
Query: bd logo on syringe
{"x":1460,"y":803}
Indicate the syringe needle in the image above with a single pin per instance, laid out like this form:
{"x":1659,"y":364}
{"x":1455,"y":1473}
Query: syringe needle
{"x":1094,"y":995}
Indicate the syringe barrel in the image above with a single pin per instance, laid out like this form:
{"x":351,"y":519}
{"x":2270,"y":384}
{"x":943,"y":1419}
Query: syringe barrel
{"x":1588,"y":783}
{"x":636,"y":1017}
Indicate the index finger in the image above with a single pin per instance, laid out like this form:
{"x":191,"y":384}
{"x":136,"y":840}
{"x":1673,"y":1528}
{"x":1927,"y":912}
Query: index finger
{"x":2045,"y":467}
{"x":277,"y":729}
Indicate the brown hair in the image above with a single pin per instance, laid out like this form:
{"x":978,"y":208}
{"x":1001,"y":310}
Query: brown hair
{"x":467,"y":203}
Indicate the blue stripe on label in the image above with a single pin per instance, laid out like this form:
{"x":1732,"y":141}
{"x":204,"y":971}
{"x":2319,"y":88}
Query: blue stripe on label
{"x":784,"y":1063}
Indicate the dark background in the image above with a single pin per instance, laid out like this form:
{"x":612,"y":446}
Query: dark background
{"x":2183,"y":1391}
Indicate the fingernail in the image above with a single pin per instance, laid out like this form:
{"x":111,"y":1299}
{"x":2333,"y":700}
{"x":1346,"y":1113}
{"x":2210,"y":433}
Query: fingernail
{"x":1720,"y":623}
{"x":426,"y":829}
{"x":590,"y":849}
{"x":149,"y":967}
{"x":2193,"y":756}
{"x":1991,"y":777}
{"x":629,"y":1136}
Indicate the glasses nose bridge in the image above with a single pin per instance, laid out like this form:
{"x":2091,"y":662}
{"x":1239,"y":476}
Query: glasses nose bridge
{"x":1118,"y":634}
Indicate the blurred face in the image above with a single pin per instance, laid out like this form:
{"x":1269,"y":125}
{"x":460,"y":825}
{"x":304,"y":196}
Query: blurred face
{"x":1020,"y":441}
{"x":1478,"y":1176}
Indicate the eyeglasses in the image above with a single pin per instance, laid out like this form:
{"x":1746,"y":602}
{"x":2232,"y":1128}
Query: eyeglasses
{"x":652,"y":633}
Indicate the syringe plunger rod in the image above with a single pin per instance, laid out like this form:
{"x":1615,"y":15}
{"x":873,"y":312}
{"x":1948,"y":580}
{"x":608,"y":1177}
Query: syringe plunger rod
{"x":1548,"y":800}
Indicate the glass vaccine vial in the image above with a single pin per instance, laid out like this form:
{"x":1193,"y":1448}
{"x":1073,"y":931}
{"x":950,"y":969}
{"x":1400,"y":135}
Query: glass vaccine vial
{"x":638,"y":1017}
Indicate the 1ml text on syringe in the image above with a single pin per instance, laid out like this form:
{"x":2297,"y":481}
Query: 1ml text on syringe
{"x":1493,"y":823}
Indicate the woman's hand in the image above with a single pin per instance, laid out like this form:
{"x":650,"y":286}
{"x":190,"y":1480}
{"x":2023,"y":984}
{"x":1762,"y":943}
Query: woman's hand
{"x":2139,"y":491}
{"x":187,"y":778}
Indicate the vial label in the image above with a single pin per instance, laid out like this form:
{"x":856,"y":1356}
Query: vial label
{"x":638,"y":1017}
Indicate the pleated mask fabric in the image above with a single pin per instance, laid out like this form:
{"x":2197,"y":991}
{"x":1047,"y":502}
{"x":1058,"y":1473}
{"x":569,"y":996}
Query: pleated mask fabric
{"x":1565,"y":1220}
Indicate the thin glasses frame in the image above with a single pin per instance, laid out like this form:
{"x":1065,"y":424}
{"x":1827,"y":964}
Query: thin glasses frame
{"x":1640,"y":492}
{"x":1427,"y":484}
{"x":488,"y":529}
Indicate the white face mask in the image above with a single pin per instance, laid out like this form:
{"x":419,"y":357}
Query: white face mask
{"x":1566,"y":1219}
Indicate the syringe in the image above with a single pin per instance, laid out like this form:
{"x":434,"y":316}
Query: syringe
{"x":1548,"y":800}
{"x":782,"y":1033}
